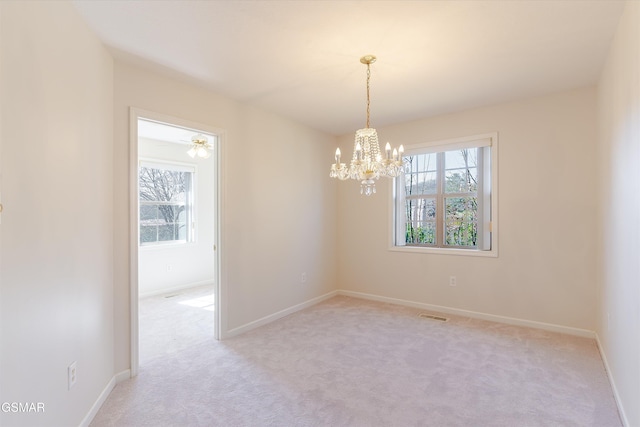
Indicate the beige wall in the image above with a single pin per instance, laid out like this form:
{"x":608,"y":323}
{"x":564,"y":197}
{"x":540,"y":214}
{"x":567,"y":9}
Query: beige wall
{"x":545,"y":271}
{"x":618,"y":323}
{"x":279,"y":210}
{"x":57,"y":224}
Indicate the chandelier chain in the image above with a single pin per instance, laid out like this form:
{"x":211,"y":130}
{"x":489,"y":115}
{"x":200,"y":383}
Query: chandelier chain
{"x":368,"y":78}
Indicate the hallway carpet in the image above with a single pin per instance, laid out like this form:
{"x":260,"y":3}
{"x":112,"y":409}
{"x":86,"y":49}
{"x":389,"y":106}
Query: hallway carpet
{"x":352,"y":362}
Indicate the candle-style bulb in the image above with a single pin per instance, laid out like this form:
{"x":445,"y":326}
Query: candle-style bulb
{"x":338,"y":155}
{"x":401,"y":151}
{"x":395,"y":154}
{"x":387,"y":149}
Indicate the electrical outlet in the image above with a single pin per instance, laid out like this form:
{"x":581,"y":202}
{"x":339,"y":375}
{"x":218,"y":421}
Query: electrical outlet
{"x":303,"y":278}
{"x":71,"y":373}
{"x":452,"y":281}
{"x":169,"y":267}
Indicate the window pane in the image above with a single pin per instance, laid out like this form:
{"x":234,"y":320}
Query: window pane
{"x":163,"y":185}
{"x":461,"y":171}
{"x":166,"y":232}
{"x":461,"y":221}
{"x":461,"y":159}
{"x":421,"y":183}
{"x":148,"y":234}
{"x":427,"y":162}
{"x":420,"y":221}
{"x":166,"y":213}
{"x":421,"y":233}
{"x":181,"y":231}
{"x":421,"y":209}
{"x":461,"y":180}
{"x":180,"y":214}
{"x":427,"y":183}
{"x":422,"y":162}
{"x":148,"y":212}
{"x":422,"y":176}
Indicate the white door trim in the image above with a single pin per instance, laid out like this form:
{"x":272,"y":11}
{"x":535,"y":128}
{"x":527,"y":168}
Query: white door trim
{"x":219,"y":258}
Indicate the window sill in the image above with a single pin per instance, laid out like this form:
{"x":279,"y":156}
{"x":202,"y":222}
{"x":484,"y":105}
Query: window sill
{"x":444,"y":251}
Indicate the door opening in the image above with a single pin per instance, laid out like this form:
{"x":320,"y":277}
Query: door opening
{"x":175,"y":233}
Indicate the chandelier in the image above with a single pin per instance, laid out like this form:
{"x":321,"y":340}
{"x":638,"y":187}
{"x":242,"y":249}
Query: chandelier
{"x":367,"y":164}
{"x":199,"y":147}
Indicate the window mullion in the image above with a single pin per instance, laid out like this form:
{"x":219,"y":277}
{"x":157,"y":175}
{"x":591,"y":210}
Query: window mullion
{"x":440,"y":217}
{"x":480,"y":242}
{"x":469,"y":194}
{"x":485,"y":206}
{"x":401,"y":197}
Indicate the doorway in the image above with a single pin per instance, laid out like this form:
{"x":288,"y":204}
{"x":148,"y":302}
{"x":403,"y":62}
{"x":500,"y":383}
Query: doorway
{"x":175,"y":233}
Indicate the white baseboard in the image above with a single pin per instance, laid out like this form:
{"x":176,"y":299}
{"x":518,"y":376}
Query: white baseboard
{"x":431,"y":307}
{"x":118,"y":378}
{"x":474,"y":314}
{"x":123,"y":376}
{"x":98,"y":403}
{"x":174,"y":289}
{"x":275,"y":316}
{"x":616,"y":396}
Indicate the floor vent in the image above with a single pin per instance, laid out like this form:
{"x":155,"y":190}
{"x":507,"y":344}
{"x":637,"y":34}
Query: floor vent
{"x":171,"y":296}
{"x":432,"y":317}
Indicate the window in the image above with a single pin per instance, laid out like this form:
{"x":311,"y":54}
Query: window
{"x":166,"y":203}
{"x":446,"y":201}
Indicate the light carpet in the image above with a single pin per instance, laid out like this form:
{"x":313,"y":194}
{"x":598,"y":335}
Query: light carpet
{"x":352,"y":362}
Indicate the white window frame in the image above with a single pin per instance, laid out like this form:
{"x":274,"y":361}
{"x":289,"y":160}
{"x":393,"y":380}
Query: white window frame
{"x":190,"y":202}
{"x":488,"y":206}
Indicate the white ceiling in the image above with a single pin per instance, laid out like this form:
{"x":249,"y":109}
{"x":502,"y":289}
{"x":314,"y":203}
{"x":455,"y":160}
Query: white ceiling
{"x":167,"y":133}
{"x":301,"y":58}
